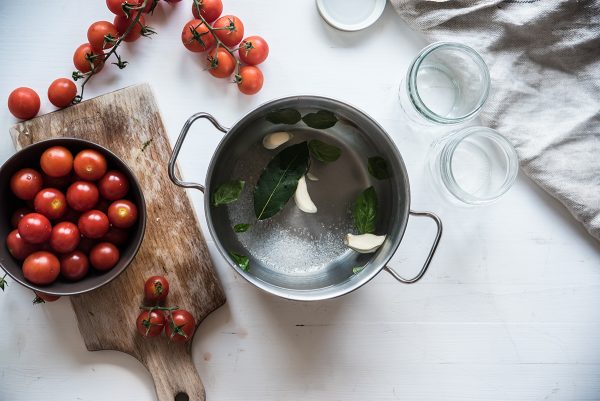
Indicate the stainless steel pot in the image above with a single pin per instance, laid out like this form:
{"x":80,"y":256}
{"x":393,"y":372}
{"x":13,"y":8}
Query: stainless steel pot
{"x":293,"y":254}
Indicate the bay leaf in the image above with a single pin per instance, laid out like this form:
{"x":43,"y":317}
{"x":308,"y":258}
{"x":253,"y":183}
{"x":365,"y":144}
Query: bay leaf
{"x":284,"y":116}
{"x":378,"y":168}
{"x":323,"y":151}
{"x":322,"y":119}
{"x":241,"y":228}
{"x":364,"y":211}
{"x":242,"y":261}
{"x":228,"y":192}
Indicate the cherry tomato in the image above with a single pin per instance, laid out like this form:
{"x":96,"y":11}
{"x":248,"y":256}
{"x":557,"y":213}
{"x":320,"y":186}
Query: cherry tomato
{"x":98,"y":31}
{"x":56,"y":182}
{"x":26,"y":183}
{"x":89,"y":165}
{"x":156,"y":289}
{"x":104,"y":256}
{"x":234,"y":32}
{"x":24,"y":103}
{"x":74,"y":266}
{"x":35,"y":228}
{"x":151,"y":323}
{"x":116,"y":236}
{"x":115,"y":6}
{"x":44,"y":297}
{"x":51,"y":203}
{"x":56,"y":161}
{"x":253,"y":50}
{"x":249,"y":80}
{"x":61,"y":92}
{"x":180,"y":326}
{"x":18,"y":215}
{"x":18,"y":247}
{"x":209,"y":9}
{"x":122,"y":214}
{"x":122,"y":22}
{"x":65,"y":237}
{"x":196,"y":37}
{"x":93,"y":224}
{"x":221,"y":64}
{"x":114,"y":185}
{"x":82,"y":196}
{"x":41,"y":268}
{"x":86,"y":57}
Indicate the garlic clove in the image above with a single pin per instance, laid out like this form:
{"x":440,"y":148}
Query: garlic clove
{"x":364,"y":243}
{"x":276,"y":139}
{"x":312,"y":177}
{"x":302,"y":198}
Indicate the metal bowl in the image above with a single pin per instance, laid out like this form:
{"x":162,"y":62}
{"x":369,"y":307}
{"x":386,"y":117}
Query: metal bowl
{"x":29,"y":157}
{"x":293,"y":254}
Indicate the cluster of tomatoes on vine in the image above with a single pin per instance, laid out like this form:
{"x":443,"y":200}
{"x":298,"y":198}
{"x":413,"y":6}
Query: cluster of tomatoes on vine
{"x":178,"y":324}
{"x":222,"y":38}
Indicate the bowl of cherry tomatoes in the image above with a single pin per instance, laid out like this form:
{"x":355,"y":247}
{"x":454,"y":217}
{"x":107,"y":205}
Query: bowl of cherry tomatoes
{"x":72,"y":216}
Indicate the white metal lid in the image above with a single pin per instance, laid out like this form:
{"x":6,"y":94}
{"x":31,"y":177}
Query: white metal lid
{"x":351,"y":15}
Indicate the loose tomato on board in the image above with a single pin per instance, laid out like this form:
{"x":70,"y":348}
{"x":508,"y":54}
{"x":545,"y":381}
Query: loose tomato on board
{"x":122,"y":214}
{"x":220,"y":64}
{"x":41,"y":268}
{"x":151,"y":323}
{"x":26,"y":183}
{"x":121,"y":22}
{"x":98,"y":33}
{"x":196,"y":37}
{"x":180,"y":326}
{"x":87,"y":58}
{"x":51,"y":203}
{"x":74,"y":266}
{"x":209,"y":9}
{"x":249,"y":80}
{"x":35,"y":228}
{"x":61,"y":92}
{"x":156,"y":289}
{"x":114,"y":185}
{"x":56,"y":161}
{"x":18,"y":247}
{"x":24,"y":103}
{"x":229,"y":29}
{"x":65,"y":237}
{"x":89,"y":165}
{"x":104,"y":256}
{"x":93,"y":224}
{"x":253,"y":50}
{"x":82,"y":196}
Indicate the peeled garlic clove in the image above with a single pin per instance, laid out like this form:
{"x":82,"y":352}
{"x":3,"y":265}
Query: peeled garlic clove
{"x":276,"y":139}
{"x":312,"y":177}
{"x":302,"y":198}
{"x":364,"y":243}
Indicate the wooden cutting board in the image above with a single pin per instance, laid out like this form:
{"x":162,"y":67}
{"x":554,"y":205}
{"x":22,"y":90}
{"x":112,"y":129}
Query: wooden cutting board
{"x":128,"y":122}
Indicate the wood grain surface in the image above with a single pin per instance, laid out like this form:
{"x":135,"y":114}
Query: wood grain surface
{"x":129,"y":123}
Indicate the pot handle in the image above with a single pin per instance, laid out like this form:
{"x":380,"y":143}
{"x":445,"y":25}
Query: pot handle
{"x":177,"y":148}
{"x":436,"y":242}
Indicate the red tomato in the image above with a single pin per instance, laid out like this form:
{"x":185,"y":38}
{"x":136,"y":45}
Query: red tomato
{"x":41,"y":268}
{"x":249,"y":80}
{"x":56,"y":161}
{"x":221,"y":64}
{"x":196,"y":37}
{"x":35,"y":228}
{"x":151,"y":323}
{"x":74,"y":266}
{"x":26,"y":183}
{"x":156,"y":289}
{"x":18,"y":215}
{"x":18,"y":247}
{"x":51,"y":203}
{"x":114,"y":185}
{"x":122,"y":22}
{"x":44,"y":297}
{"x":122,"y":214}
{"x":87,"y":58}
{"x":180,"y":326}
{"x":99,"y":31}
{"x":116,"y":6}
{"x":89,"y":165}
{"x":82,"y":196}
{"x":65,"y":237}
{"x":209,"y":9}
{"x":116,"y":236}
{"x":233,"y":32}
{"x":104,"y":256}
{"x":93,"y":224}
{"x":253,"y":50}
{"x":61,"y":92}
{"x":24,"y":103}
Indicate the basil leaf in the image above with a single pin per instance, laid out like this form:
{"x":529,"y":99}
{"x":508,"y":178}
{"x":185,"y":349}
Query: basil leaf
{"x":242,"y":261}
{"x":324,"y":152}
{"x":356,"y":270}
{"x":378,"y":168}
{"x":284,"y":116}
{"x":228,"y":192}
{"x":241,"y":228}
{"x":320,"y":120}
{"x":364,"y":211}
{"x":279,"y":180}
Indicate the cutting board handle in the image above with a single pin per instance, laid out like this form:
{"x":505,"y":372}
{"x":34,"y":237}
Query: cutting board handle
{"x":173,"y":371}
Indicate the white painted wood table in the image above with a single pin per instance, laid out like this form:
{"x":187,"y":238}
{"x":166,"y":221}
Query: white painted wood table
{"x":508,"y":311}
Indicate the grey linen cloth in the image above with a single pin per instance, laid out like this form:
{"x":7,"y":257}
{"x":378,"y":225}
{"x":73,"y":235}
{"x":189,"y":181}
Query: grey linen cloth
{"x":544,"y":61}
